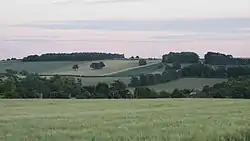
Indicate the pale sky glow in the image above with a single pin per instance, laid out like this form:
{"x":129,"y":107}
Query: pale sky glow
{"x":126,"y":26}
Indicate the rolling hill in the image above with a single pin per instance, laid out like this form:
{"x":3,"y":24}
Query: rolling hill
{"x":186,"y":83}
{"x":65,"y":67}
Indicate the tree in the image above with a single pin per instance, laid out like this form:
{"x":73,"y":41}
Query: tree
{"x":164,"y":94}
{"x":215,"y":58}
{"x":84,"y":94}
{"x":102,"y":91}
{"x":134,"y":82}
{"x":13,"y":59}
{"x":99,"y":65}
{"x":152,"y":79}
{"x":177,"y":94}
{"x":119,"y":90}
{"x":142,"y":62}
{"x":142,"y":93}
{"x":75,"y":67}
{"x":102,"y":65}
{"x":24,"y":73}
{"x":176,"y":65}
{"x":182,"y":57}
{"x":144,"y":80}
{"x":85,"y":56}
{"x":132,"y":58}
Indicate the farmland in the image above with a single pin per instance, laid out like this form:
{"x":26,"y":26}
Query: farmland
{"x":125,"y":120}
{"x":65,"y":67}
{"x":187,"y":83}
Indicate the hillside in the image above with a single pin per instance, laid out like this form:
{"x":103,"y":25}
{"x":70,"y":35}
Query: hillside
{"x":186,"y":83}
{"x":65,"y":67}
{"x":136,"y":71}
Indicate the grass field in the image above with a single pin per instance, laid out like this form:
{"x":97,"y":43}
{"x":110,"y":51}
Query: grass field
{"x":125,"y":120}
{"x":65,"y":68}
{"x":150,"y":68}
{"x":187,"y":83}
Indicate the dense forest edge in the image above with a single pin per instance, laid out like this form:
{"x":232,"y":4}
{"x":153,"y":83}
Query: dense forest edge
{"x":23,"y":84}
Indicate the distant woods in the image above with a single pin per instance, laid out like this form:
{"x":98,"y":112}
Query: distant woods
{"x":183,"y":57}
{"x":215,"y":65}
{"x":211,"y":58}
{"x":87,"y":56}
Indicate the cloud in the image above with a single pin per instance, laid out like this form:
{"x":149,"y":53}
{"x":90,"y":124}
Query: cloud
{"x":207,"y":25}
{"x":92,"y":1}
{"x":154,"y":39}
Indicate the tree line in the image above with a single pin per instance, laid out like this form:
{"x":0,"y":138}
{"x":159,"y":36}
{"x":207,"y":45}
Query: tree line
{"x":86,"y":56}
{"x":175,"y":72}
{"x":212,"y":58}
{"x":58,"y":87}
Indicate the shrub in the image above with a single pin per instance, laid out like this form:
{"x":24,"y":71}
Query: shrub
{"x":99,"y":65}
{"x":142,"y":62}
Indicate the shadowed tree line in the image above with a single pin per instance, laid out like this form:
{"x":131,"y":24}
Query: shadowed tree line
{"x":215,"y":65}
{"x":212,"y":58}
{"x":196,"y":70}
{"x":58,"y":87}
{"x":87,"y":56}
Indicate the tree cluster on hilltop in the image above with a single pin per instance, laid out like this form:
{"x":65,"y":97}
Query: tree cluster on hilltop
{"x":212,"y":58}
{"x":87,"y":56}
{"x":223,"y":59}
{"x":182,"y":57}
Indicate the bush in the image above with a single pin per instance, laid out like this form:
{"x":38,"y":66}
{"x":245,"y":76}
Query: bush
{"x":142,"y":62}
{"x":75,"y":67}
{"x":99,"y":65}
{"x":164,"y":94}
{"x":142,"y":93}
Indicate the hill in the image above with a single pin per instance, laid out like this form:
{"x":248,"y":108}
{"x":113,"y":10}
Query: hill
{"x":186,"y":83}
{"x":65,"y":67}
{"x":124,"y":120}
{"x":136,"y":71}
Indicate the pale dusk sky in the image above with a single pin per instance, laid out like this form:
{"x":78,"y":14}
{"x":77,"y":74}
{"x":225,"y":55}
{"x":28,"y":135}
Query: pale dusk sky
{"x":147,"y":28}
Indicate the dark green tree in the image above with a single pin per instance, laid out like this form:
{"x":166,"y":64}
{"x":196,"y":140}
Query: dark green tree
{"x":75,"y":67}
{"x":142,"y":62}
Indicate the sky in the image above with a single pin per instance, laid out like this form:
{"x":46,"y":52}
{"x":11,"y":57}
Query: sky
{"x":148,"y":28}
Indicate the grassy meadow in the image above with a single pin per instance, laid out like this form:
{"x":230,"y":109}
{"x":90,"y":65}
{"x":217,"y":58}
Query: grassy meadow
{"x":187,"y":83}
{"x":65,"y":67}
{"x":125,"y":120}
{"x":150,"y":68}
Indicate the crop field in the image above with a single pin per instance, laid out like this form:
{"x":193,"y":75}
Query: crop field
{"x":65,"y":68}
{"x":125,"y":120}
{"x":187,"y":83}
{"x":150,"y":68}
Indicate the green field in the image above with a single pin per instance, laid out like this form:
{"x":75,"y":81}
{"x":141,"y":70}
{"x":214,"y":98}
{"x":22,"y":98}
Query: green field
{"x":150,"y":68}
{"x":65,"y":68}
{"x":187,"y":83}
{"x":125,"y":120}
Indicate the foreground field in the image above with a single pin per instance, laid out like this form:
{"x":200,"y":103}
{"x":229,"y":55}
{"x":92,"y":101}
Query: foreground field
{"x":125,"y":120}
{"x":65,"y":68}
{"x":187,"y":83}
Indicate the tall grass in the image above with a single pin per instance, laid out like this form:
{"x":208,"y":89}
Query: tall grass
{"x":125,"y":120}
